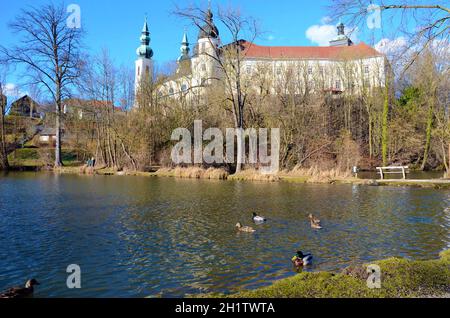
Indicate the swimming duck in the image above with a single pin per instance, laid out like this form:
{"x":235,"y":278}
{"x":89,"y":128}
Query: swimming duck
{"x":315,"y":225}
{"x":313,"y":219}
{"x":301,"y":259}
{"x":247,"y":229}
{"x":21,"y":292}
{"x":258,"y":219}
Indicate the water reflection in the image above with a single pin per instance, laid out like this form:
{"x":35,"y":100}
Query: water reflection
{"x":138,"y":237}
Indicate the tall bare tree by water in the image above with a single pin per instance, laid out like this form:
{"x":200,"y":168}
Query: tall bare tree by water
{"x":228,"y":60}
{"x":4,"y":164}
{"x":49,"y":51}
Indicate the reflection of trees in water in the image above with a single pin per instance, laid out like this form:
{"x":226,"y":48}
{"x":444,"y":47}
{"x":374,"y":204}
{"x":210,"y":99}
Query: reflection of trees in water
{"x":177,"y":236}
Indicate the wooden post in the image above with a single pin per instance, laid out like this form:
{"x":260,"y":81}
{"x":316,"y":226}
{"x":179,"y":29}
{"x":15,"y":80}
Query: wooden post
{"x":381,"y":172}
{"x":404,"y":173}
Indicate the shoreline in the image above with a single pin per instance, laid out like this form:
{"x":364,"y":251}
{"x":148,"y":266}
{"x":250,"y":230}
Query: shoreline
{"x":400,"y":278}
{"x":249,"y":176}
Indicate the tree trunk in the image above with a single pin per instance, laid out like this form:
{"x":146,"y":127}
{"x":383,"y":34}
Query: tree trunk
{"x":384,"y":136}
{"x":240,"y":149}
{"x":428,"y":136}
{"x":448,"y":171}
{"x":58,"y":160}
{"x":4,"y":164}
{"x":370,"y":138}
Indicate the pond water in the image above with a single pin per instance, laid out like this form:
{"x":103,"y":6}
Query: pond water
{"x":138,"y":236}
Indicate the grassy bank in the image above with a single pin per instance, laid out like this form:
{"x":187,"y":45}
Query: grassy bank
{"x":296,"y":176}
{"x":400,"y":278}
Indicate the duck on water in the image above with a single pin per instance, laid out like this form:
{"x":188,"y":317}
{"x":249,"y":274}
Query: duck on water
{"x":21,"y":292}
{"x":300,"y":259}
{"x":258,"y":219}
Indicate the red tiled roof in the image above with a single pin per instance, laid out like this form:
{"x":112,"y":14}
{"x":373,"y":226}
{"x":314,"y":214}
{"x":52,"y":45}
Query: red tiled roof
{"x":361,"y":50}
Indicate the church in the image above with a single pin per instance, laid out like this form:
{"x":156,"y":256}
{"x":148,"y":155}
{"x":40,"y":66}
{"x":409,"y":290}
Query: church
{"x":342,"y":67}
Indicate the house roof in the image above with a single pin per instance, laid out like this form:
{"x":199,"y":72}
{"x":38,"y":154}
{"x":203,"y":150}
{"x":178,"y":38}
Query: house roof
{"x":361,"y":50}
{"x":48,"y":132}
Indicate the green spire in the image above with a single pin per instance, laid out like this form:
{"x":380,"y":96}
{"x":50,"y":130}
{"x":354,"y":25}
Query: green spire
{"x":144,"y":50}
{"x":184,"y":48}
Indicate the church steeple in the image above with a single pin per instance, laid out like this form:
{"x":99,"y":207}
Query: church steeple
{"x":144,"y":50}
{"x":342,"y":39}
{"x":144,"y":62}
{"x":341,"y":29}
{"x":184,"y":48}
{"x":209,"y":30}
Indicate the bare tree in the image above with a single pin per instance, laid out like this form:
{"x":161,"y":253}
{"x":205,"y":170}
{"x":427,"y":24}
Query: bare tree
{"x":4,"y":164}
{"x":419,"y":22}
{"x":228,"y":60}
{"x":50,"y":51}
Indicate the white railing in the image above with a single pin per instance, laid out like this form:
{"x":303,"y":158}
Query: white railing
{"x":393,"y":170}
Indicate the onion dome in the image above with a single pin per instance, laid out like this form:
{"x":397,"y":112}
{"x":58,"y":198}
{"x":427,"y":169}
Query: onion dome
{"x":144,"y":50}
{"x":209,"y":30}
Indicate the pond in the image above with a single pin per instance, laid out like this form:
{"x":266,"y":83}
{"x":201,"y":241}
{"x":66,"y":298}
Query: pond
{"x":140,"y":236}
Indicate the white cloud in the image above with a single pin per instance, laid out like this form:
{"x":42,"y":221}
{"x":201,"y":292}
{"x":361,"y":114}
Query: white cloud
{"x":324,"y":33}
{"x":392,"y":47}
{"x":321,"y":34}
{"x":326,"y":20}
{"x":12,"y":90}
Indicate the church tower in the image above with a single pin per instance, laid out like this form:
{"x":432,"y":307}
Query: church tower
{"x":144,"y":63}
{"x":204,"y":65}
{"x":342,"y":39}
{"x":184,"y":49}
{"x":184,"y":60}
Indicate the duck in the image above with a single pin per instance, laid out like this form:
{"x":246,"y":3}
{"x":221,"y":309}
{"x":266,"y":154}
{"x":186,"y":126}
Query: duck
{"x":21,"y":292}
{"x":315,"y":226}
{"x":301,"y":259}
{"x":247,"y":229}
{"x":313,"y":219}
{"x":258,"y":219}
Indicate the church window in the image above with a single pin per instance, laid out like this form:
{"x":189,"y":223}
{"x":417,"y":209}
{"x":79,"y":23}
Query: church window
{"x":183,"y":88}
{"x":249,"y":70}
{"x":366,"y":69}
{"x":203,"y":67}
{"x":139,"y":71}
{"x":171,"y":91}
{"x":310,"y":70}
{"x":279,"y":70}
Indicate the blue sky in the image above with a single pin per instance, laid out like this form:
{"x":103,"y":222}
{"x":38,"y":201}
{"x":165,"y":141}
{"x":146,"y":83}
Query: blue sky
{"x":116,"y":25}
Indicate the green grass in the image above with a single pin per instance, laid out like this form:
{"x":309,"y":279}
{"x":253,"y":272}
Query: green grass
{"x":25,"y":157}
{"x":31,"y":157}
{"x":400,"y":278}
